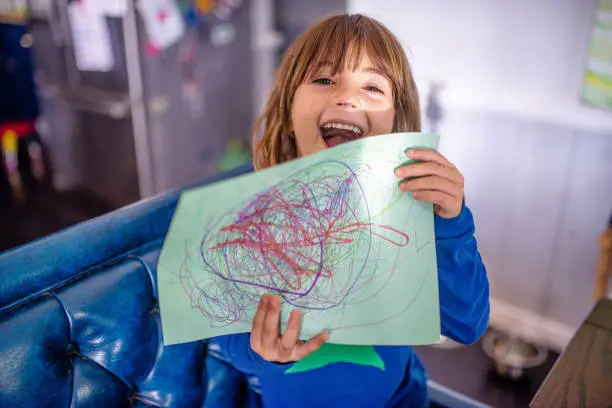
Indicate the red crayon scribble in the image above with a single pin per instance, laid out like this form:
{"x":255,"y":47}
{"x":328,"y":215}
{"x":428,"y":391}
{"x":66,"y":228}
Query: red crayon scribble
{"x":290,"y":240}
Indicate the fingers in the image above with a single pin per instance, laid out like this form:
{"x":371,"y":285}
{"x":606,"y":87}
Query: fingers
{"x":258,"y":323}
{"x":436,"y":197}
{"x":429,"y":155}
{"x":265,"y":339}
{"x":446,"y":205}
{"x":292,"y":331}
{"x":433,"y":179}
{"x":434,"y":183}
{"x":430,"y":169}
{"x":304,"y":349}
{"x":271,"y":323}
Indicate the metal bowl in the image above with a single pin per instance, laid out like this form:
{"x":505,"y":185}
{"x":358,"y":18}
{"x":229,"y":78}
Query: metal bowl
{"x":511,"y":354}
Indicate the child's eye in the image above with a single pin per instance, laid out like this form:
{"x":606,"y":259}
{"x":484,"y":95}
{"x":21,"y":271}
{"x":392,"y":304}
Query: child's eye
{"x":373,"y":88}
{"x":323,"y":81}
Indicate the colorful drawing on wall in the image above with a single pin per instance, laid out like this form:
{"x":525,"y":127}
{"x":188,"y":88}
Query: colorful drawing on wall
{"x":597,"y":87}
{"x":330,"y":234}
{"x":163,"y":22}
{"x":91,"y":38}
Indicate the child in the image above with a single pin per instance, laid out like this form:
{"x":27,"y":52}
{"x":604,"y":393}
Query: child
{"x":347,"y":78}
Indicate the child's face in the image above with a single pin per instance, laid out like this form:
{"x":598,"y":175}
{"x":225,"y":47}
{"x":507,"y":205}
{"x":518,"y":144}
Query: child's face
{"x":332,"y":109}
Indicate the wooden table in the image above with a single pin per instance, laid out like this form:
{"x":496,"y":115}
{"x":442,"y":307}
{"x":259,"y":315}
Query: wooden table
{"x":582,"y":376}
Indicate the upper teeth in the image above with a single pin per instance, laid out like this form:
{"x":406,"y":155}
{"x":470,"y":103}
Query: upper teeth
{"x":337,"y":125}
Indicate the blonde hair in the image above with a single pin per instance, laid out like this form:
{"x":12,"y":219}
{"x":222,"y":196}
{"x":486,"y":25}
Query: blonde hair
{"x":327,"y":42}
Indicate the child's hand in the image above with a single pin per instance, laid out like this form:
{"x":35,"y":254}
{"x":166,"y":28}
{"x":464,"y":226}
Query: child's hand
{"x":265,"y":340}
{"x":436,"y":180}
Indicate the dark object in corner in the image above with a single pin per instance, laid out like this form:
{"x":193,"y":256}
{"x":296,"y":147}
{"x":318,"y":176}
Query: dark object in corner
{"x":583,"y":373}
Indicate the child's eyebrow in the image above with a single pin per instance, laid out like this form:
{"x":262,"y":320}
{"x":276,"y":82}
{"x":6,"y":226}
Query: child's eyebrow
{"x":377,"y":71}
{"x":323,"y":65}
{"x":326,"y":65}
{"x":373,"y":70}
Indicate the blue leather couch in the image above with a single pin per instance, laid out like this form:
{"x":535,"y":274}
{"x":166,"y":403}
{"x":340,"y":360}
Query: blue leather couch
{"x":80,"y":326}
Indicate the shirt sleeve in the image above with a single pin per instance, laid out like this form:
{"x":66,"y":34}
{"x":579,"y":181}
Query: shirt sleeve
{"x":462,"y":279}
{"x":236,"y":350}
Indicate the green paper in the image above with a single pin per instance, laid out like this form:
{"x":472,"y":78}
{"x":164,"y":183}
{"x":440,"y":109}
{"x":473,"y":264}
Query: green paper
{"x":330,"y":234}
{"x":338,"y":353}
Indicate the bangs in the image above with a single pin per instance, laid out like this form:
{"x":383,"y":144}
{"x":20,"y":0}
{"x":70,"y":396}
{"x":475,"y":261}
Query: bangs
{"x":341,"y":42}
{"x":334,"y":44}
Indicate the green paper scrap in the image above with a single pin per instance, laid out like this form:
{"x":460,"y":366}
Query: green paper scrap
{"x":330,"y":234}
{"x":338,"y":353}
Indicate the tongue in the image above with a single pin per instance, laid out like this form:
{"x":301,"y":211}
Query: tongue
{"x":336,"y":140}
{"x":335,"y":137}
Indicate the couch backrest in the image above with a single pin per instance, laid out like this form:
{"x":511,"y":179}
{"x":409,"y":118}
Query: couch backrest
{"x":80,"y":325}
{"x":79,"y":321}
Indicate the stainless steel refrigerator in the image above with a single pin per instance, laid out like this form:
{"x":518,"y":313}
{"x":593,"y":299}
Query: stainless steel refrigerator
{"x":158,"y":122}
{"x":154,"y":121}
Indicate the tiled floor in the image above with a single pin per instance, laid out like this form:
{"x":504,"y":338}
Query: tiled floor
{"x":466,"y":369}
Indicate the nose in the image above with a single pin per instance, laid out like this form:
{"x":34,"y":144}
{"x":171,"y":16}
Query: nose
{"x":347,"y":104}
{"x":347,"y":98}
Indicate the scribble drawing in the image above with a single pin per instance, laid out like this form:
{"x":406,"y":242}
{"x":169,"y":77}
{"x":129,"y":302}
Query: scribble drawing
{"x":292,"y":240}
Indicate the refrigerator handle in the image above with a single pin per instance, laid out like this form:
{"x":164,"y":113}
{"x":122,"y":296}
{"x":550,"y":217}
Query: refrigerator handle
{"x":58,"y":35}
{"x":63,"y":25}
{"x":144,"y":149}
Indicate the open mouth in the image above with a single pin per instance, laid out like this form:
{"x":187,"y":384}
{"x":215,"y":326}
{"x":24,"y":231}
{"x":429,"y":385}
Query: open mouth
{"x":335,"y":132}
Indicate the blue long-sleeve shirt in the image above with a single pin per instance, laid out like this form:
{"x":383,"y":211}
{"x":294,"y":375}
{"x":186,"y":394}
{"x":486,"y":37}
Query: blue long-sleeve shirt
{"x":464,"y":316}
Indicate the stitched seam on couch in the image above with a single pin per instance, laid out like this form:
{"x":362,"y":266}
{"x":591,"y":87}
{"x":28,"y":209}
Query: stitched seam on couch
{"x":84,"y":273}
